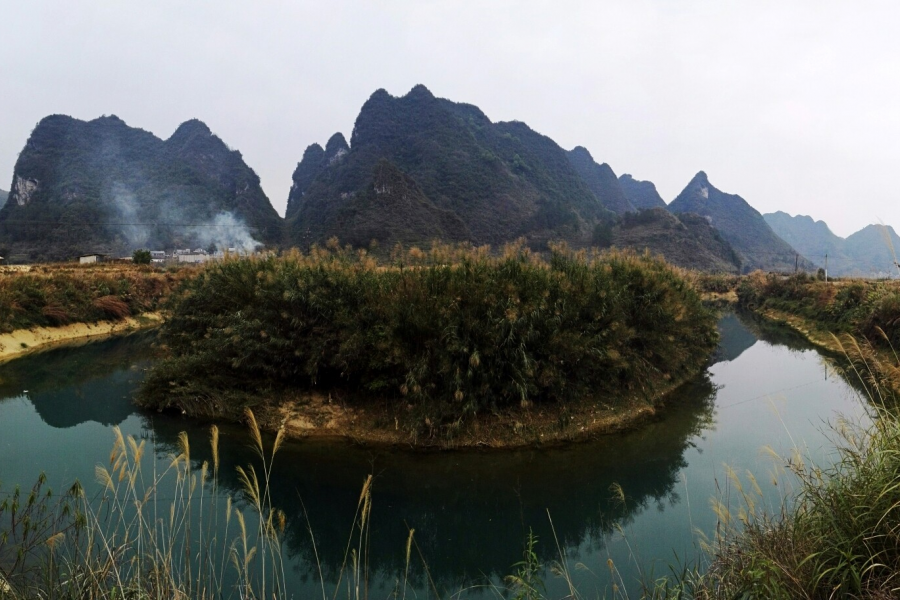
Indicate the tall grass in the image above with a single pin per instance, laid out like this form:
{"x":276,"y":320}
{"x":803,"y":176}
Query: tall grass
{"x":132,"y":542}
{"x":841,"y":538}
{"x":449,"y":332}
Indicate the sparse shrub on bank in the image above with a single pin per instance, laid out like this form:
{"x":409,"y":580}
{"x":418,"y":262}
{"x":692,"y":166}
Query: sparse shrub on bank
{"x":451,"y":332}
{"x":864,"y":308}
{"x":52,"y":296}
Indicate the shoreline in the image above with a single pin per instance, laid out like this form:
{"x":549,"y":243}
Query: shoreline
{"x":323,"y":418}
{"x":23,"y":342}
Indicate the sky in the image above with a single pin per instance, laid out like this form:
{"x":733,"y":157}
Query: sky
{"x":792,"y":104}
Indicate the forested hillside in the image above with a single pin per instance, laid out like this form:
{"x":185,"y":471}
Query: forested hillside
{"x":102,"y":186}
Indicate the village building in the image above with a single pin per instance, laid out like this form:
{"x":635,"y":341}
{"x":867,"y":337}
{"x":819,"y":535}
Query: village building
{"x":86,"y":259}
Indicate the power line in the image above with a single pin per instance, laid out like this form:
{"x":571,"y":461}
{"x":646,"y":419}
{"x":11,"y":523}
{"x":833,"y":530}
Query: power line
{"x":109,"y":224}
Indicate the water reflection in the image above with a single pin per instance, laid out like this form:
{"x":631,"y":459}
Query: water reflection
{"x":470,"y":509}
{"x":73,"y":385}
{"x":734,"y":339}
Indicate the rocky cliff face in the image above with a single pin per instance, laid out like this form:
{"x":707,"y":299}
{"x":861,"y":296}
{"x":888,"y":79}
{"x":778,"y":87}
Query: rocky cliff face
{"x":740,"y":224}
{"x":102,"y":186}
{"x":641,"y":194}
{"x":500,"y":180}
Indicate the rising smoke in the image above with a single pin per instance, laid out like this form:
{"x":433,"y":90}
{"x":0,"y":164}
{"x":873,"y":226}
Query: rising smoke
{"x":227,"y":231}
{"x":170,"y":225}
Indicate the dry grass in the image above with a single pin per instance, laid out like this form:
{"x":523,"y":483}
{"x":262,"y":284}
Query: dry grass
{"x":52,"y":295}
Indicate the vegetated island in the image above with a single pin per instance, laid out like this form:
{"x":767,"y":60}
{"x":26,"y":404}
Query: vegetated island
{"x":447,"y":348}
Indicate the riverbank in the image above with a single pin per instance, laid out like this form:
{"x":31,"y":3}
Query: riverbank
{"x":21,"y":342}
{"x":379,"y":424}
{"x":856,"y":320}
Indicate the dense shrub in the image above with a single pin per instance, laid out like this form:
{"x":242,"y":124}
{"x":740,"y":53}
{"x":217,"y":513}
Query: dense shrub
{"x":452,"y":331}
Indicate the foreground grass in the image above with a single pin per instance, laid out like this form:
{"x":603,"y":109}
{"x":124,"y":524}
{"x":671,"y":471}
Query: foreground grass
{"x":54,"y":295}
{"x":153,"y":535}
{"x":448,"y":333}
{"x":841,"y":539}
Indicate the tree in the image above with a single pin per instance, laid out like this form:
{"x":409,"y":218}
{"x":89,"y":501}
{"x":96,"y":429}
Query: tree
{"x":141,"y":257}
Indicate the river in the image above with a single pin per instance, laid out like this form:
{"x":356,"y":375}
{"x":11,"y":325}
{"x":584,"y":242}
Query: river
{"x":471,"y":510}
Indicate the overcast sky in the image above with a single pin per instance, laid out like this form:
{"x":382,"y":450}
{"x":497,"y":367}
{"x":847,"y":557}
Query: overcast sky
{"x":793,"y":105}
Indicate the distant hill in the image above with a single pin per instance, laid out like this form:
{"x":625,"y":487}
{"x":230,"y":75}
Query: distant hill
{"x":686,"y":240}
{"x":641,"y":194}
{"x":866,"y":253}
{"x":875,"y":247}
{"x":740,"y":224}
{"x":102,"y":186}
{"x":466,"y":176}
{"x":601,"y":180}
{"x":813,"y":239}
{"x":3,"y":196}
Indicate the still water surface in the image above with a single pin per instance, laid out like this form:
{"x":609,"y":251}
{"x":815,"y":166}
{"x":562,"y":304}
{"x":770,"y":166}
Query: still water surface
{"x":471,"y":510}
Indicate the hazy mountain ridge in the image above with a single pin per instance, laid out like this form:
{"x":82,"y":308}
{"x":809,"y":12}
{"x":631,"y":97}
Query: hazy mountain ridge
{"x":418,"y":168}
{"x":601,"y":180}
{"x":462,"y":177}
{"x":641,"y":194}
{"x":501,"y":180}
{"x":740,"y":224}
{"x":866,"y":253}
{"x":102,"y":186}
{"x":3,"y":196}
{"x":686,"y":240}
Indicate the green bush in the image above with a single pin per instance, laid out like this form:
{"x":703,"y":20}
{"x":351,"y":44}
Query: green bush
{"x":141,"y":257}
{"x":451,"y":332}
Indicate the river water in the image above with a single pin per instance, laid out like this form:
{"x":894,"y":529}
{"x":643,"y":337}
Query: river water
{"x":471,"y":510}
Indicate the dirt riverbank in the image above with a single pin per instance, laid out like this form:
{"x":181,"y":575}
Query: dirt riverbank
{"x":26,"y":341}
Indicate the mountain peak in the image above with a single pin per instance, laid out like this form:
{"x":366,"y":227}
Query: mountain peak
{"x":335,"y":144}
{"x":700,"y":178}
{"x":600,"y":179}
{"x":419,"y":91}
{"x":313,"y":152}
{"x":641,"y":194}
{"x":581,"y":152}
{"x":109,"y":119}
{"x":190,"y":128}
{"x":740,"y":224}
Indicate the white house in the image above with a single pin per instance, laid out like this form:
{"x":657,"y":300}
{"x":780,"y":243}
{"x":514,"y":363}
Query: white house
{"x":86,"y":259}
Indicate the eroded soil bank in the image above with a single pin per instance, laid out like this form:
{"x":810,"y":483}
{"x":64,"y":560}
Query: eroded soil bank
{"x":325,"y":416}
{"x":26,"y":341}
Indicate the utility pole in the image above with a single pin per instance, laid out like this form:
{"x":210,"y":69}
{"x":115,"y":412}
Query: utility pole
{"x":796,"y":261}
{"x":826,"y":267}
